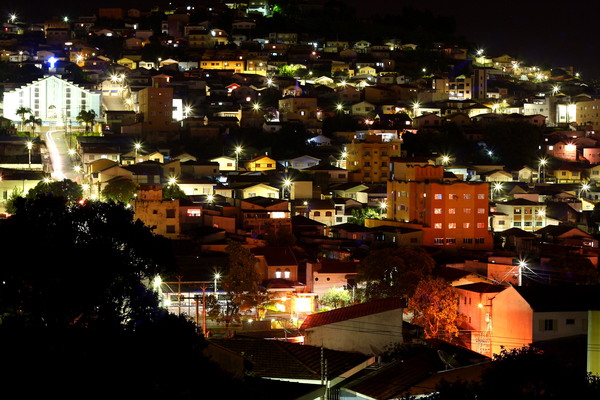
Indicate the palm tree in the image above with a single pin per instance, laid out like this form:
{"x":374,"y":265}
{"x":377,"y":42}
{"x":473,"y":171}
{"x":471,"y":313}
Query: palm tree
{"x":33,"y":120}
{"x":87,"y":117}
{"x":22,"y":111}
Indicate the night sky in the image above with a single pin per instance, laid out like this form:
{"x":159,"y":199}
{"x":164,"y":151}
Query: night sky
{"x":536,"y":32}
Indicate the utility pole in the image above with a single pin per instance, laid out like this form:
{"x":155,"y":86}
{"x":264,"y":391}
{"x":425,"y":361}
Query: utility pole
{"x":203,"y":287}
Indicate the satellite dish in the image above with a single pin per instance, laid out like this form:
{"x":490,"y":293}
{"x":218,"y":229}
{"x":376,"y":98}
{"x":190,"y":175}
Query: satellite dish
{"x":448,"y":360}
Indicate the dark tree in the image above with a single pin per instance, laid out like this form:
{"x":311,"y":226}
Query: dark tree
{"x":79,"y":264}
{"x":120,"y":190}
{"x":70,"y":191}
{"x":394,"y":272}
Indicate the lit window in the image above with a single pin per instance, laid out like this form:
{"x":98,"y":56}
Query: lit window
{"x":452,"y":211}
{"x":452,"y":225}
{"x":481,"y":211}
{"x":480,"y":225}
{"x":437,"y":196}
{"x":287,"y":274}
{"x":437,"y":210}
{"x":437,"y":225}
{"x":278,"y":274}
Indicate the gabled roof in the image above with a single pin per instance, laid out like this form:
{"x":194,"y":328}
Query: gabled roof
{"x":263,"y":201}
{"x":324,"y":167}
{"x":482,"y":287}
{"x":278,"y":359}
{"x":516,"y":232}
{"x":559,"y":230}
{"x":520,"y":202}
{"x":351,"y":227}
{"x":276,"y":255}
{"x":301,"y":220}
{"x":352,"y":312}
{"x":395,"y":379}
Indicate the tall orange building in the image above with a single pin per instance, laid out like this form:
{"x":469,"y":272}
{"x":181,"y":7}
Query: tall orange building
{"x":451,"y":214}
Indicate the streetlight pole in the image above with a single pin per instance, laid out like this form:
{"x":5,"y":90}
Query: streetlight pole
{"x":238,"y":150}
{"x":29,"y":147}
{"x":217,"y":276}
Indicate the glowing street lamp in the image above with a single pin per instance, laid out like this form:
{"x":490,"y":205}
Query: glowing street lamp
{"x":238,"y":150}
{"x":339,"y":107}
{"x":187,"y":110}
{"x":137,"y":146}
{"x":287,"y":183}
{"x":216,"y":277}
{"x":382,"y":207}
{"x":496,"y":189}
{"x":256,"y":106}
{"x":541,"y":164}
{"x":415,"y":107}
{"x":584,"y":188}
{"x":172,"y":181}
{"x":445,"y":159}
{"x":555,"y":89}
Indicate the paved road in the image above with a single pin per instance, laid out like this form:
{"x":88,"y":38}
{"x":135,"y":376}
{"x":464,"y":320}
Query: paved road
{"x":62,"y":162}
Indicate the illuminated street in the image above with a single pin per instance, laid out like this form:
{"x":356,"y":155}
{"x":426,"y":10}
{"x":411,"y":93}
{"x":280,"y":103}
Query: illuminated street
{"x":58,"y":150}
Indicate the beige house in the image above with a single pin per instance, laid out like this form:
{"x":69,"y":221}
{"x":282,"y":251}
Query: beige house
{"x":366,"y":328}
{"x":151,"y":209}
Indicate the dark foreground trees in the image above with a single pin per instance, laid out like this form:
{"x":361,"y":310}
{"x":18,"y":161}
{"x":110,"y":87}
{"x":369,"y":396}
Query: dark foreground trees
{"x":524,"y":374}
{"x":77,"y":319}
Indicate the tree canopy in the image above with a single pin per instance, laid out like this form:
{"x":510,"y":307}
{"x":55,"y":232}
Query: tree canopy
{"x":241,"y":281}
{"x":120,"y":190}
{"x":70,"y":191}
{"x":80,"y":264}
{"x":172,"y":191}
{"x":435,"y":308}
{"x":394,"y":272}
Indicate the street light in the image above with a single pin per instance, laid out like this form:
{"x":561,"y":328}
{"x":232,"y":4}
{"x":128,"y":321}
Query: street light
{"x":238,"y":150}
{"x":445,"y":159}
{"x":287,"y":182}
{"x":137,"y":146}
{"x":29,"y":147}
{"x":382,"y":206}
{"x":542,"y":164}
{"x":216,"y":277}
{"x":584,"y":187}
{"x":497,"y":188}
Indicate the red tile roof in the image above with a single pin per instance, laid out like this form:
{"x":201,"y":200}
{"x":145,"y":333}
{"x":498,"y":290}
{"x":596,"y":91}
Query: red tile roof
{"x":356,"y":311}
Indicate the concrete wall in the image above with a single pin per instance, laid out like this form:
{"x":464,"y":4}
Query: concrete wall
{"x":367,"y":335}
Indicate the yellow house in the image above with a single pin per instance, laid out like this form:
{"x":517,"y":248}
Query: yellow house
{"x":367,"y":70}
{"x":260,"y":163}
{"x":257,"y":189}
{"x":569,"y":174}
{"x":127,"y":62}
